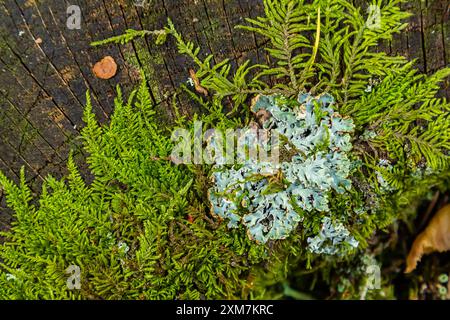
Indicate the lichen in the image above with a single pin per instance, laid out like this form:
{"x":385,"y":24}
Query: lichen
{"x":270,"y":197}
{"x":333,"y":239}
{"x":384,"y":167}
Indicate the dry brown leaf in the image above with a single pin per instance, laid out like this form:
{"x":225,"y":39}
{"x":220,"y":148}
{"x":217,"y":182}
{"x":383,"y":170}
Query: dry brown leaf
{"x":436,"y":237}
{"x":197,"y":84}
{"x":105,"y":68}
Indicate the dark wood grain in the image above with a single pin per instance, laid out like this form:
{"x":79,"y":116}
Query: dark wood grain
{"x":42,"y":86}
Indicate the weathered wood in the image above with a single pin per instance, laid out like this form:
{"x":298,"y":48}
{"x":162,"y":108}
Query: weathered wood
{"x":43,"y":84}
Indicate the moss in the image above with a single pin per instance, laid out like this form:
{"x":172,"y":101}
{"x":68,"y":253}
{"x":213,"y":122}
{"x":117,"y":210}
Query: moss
{"x":143,"y":228}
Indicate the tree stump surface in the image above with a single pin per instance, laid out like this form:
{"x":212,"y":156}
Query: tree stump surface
{"x":46,"y":68}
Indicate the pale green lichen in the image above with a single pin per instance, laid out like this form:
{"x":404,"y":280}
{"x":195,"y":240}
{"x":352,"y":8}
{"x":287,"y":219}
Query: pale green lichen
{"x":333,"y":239}
{"x":268,"y":198}
{"x":384,"y":167}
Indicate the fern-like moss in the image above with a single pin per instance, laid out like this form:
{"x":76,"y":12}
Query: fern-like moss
{"x":142,"y":228}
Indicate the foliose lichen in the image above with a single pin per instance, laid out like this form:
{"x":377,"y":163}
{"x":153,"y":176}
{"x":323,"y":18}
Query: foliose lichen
{"x":270,"y":197}
{"x":333,"y":239}
{"x":384,"y":166}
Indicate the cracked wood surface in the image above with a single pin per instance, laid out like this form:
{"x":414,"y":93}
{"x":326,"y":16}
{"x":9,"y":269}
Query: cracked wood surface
{"x":45,"y":68}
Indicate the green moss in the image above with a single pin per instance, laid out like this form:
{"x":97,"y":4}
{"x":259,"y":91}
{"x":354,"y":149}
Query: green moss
{"x":143,"y":228}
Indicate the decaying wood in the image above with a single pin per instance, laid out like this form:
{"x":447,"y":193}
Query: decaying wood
{"x":45,"y":68}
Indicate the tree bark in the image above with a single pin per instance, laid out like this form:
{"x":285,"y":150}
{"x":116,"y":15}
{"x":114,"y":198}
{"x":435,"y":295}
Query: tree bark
{"x":46,"y":68}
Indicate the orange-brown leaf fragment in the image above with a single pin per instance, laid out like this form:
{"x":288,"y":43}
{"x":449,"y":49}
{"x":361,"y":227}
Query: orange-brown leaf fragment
{"x":105,"y":68}
{"x":436,"y":237}
{"x":197,"y":84}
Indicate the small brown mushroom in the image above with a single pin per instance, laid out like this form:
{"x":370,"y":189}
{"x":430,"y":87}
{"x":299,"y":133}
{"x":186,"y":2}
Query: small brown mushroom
{"x":105,"y":68}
